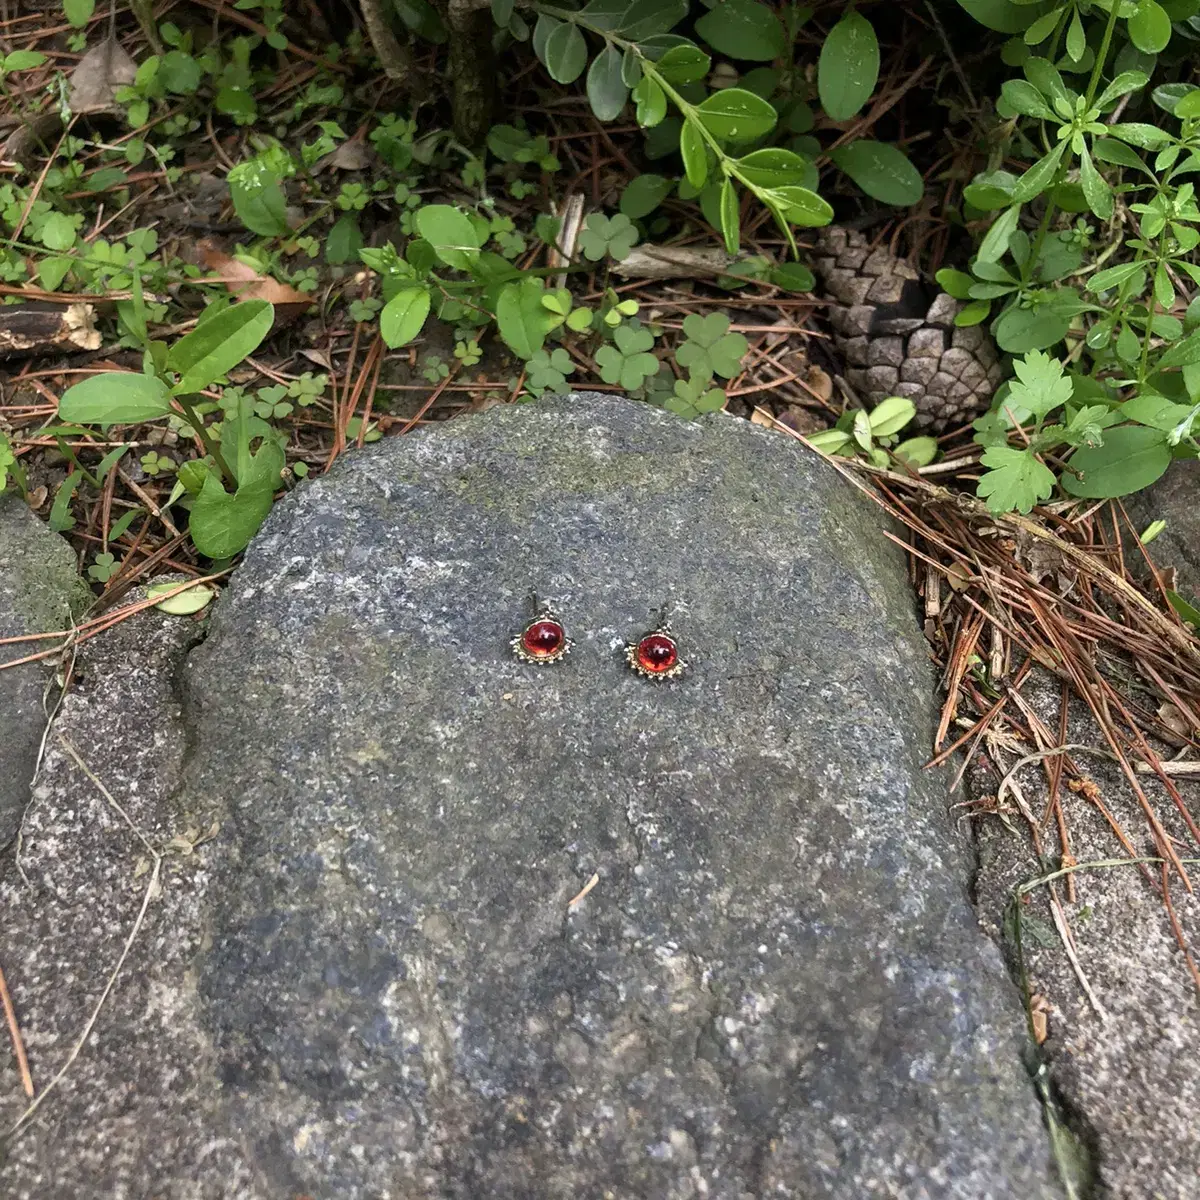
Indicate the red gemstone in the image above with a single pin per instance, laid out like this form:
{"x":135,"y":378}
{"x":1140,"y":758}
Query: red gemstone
{"x":543,"y":639}
{"x":656,"y":653}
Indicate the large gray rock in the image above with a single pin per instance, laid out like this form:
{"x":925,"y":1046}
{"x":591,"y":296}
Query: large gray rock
{"x":391,"y":982}
{"x":39,"y":589}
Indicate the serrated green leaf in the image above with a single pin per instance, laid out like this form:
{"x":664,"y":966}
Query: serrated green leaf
{"x":1015,"y":479}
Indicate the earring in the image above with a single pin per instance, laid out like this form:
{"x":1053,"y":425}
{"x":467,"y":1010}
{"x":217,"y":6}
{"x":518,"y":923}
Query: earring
{"x":655,"y":655}
{"x":544,"y":640}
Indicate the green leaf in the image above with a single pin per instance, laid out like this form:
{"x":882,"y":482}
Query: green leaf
{"x":990,"y":190}
{"x":78,"y":12}
{"x":183,"y":603}
{"x":1039,"y":176}
{"x":23,"y":60}
{"x":1040,"y":386}
{"x":651,"y":103}
{"x":60,"y":510}
{"x":454,"y":239}
{"x":1007,"y":16}
{"x":217,"y":346}
{"x":1022,"y":97}
{"x":1113,"y":276}
{"x":1020,"y":329}
{"x":710,"y":348}
{"x":684,"y":64}
{"x":793,"y":277}
{"x":1132,"y":457}
{"x":115,"y":398}
{"x":954,"y":283}
{"x":1127,"y":81}
{"x":522,"y":319}
{"x":882,"y":171}
{"x":771,"y":168}
{"x":1015,"y":479}
{"x":798,"y":205}
{"x":258,"y":199}
{"x":917,"y":451}
{"x":1137,"y":133}
{"x":695,"y":155}
{"x":736,"y":115}
{"x":344,"y":242}
{"x":1189,"y":612}
{"x":1095,"y":188}
{"x":890,"y":416}
{"x":606,"y":88}
{"x":222,"y":524}
{"x":1149,"y":27}
{"x":601,"y":235}
{"x":644,"y":194}
{"x":565,"y":53}
{"x":649,"y":17}
{"x":403,"y":316}
{"x":730,"y":216}
{"x":848,"y":68}
{"x":743,"y":29}
{"x":995,"y":244}
{"x":1182,"y":354}
{"x":57,"y":232}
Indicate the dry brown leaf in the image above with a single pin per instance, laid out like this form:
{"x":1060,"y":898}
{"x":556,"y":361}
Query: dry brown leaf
{"x":351,"y":155}
{"x":819,"y":383}
{"x":1172,"y":717}
{"x":247,"y":284}
{"x":98,"y":75}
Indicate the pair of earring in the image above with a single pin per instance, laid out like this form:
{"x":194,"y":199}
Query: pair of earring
{"x":655,"y":655}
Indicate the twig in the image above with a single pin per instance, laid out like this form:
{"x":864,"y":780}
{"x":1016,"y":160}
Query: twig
{"x":14,"y":1030}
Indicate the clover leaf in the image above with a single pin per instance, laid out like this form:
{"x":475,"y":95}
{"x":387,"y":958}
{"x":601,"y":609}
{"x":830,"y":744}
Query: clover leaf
{"x":601,"y":235}
{"x":710,"y":348}
{"x":691,"y":397}
{"x":627,"y":362}
{"x":547,"y":372}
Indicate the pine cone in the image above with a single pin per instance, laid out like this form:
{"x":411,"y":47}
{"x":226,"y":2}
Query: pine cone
{"x":895,"y":342}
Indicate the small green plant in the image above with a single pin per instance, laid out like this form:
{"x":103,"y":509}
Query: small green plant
{"x":1108,"y":416}
{"x":875,"y":435}
{"x":230,"y":489}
